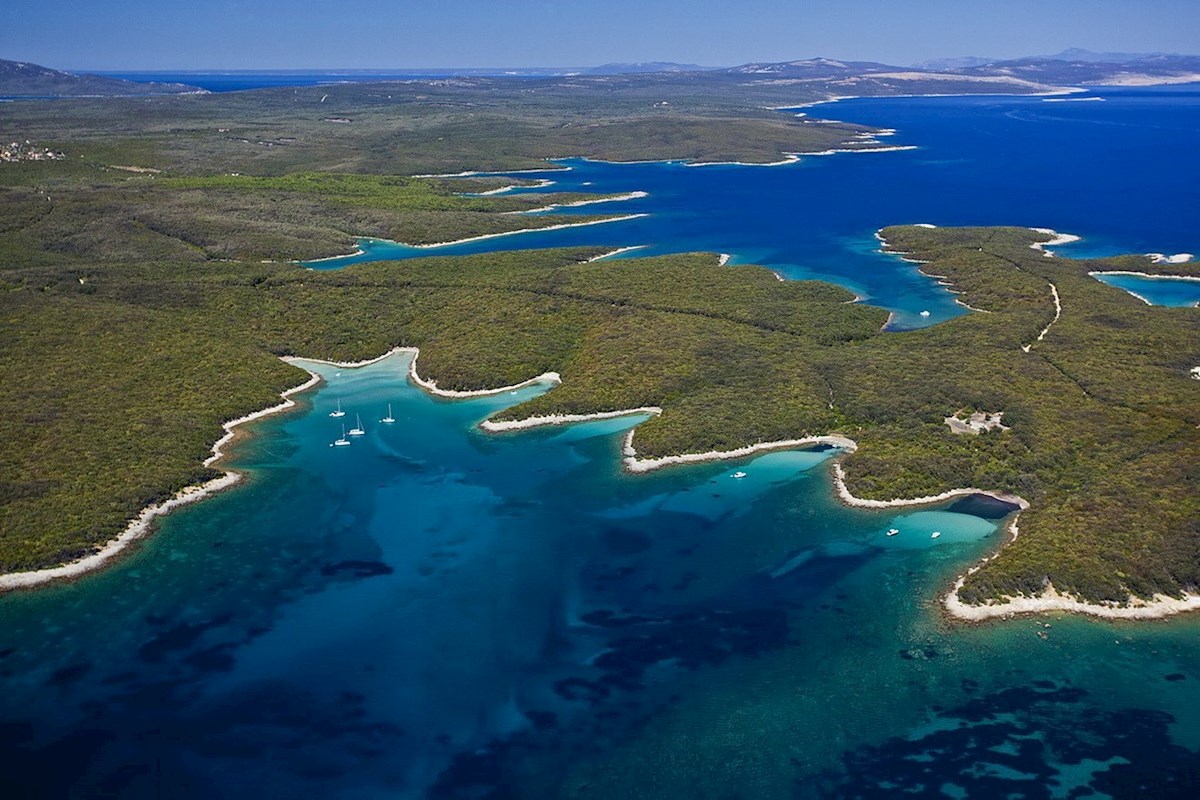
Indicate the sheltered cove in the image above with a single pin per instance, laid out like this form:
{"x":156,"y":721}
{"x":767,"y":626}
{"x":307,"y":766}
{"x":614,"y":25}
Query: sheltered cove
{"x":1049,"y":600}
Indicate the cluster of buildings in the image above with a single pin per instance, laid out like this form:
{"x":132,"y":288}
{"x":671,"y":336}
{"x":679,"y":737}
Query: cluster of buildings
{"x":27,"y":151}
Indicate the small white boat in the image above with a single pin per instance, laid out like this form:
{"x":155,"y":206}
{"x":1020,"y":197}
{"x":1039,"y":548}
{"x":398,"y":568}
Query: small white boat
{"x":389,"y":419}
{"x":338,"y":412}
{"x":343,"y":441}
{"x":935,"y":534}
{"x":358,"y":429}
{"x":893,"y":531}
{"x":924,"y":313}
{"x":739,"y":474}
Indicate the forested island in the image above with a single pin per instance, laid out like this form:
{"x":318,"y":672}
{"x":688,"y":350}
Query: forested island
{"x":148,"y":290}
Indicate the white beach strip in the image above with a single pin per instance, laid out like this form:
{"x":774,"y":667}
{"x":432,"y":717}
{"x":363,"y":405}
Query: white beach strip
{"x":635,"y":464}
{"x":431,"y":386}
{"x":839,"y":482}
{"x":616,"y":252}
{"x":1049,"y":600}
{"x":540,"y":183}
{"x":614,"y":199}
{"x":591,"y":160}
{"x":789,"y":158}
{"x":882,"y":149}
{"x":485,"y":173}
{"x":1072,"y":99}
{"x":501,"y":190}
{"x":1145,"y":300}
{"x":466,"y":174}
{"x":141,"y":525}
{"x":134,"y":531}
{"x":348,"y":364}
{"x":924,"y":225}
{"x":562,"y":419}
{"x":1057,"y":314}
{"x":530,"y":230}
{"x":1162,"y":258}
{"x":792,"y":158}
{"x":1059,"y":238}
{"x":970,"y":307}
{"x":357,"y":252}
{"x":1052,"y":600}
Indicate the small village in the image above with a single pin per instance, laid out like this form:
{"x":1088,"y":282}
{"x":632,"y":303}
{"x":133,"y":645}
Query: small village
{"x":27,"y":151}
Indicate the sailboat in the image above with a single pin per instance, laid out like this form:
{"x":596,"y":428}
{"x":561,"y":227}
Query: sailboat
{"x":342,"y":442}
{"x":338,"y":412}
{"x":389,"y":419}
{"x":358,"y":429}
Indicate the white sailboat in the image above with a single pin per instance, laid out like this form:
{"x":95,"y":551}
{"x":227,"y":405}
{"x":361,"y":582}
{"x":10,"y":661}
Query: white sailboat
{"x":739,"y":474}
{"x":893,"y":531}
{"x":935,"y":534}
{"x":358,"y":429}
{"x":338,"y":412}
{"x":389,"y":419}
{"x":343,"y":441}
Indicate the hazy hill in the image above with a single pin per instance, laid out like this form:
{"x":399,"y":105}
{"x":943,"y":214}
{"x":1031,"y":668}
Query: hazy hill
{"x":20,"y":79}
{"x":645,"y":66}
{"x":1079,"y":54}
{"x":810,"y":68}
{"x":957,"y":62}
{"x":1139,"y":71}
{"x":1068,"y":68}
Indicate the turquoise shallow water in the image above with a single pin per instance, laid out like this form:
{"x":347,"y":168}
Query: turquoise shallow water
{"x":1159,"y":291}
{"x":434,"y":611}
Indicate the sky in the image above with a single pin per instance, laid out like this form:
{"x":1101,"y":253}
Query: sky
{"x":362,"y":34}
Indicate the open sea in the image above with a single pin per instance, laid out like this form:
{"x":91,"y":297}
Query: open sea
{"x":437,"y":612}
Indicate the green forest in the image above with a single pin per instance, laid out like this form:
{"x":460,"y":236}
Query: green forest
{"x":141,"y":310}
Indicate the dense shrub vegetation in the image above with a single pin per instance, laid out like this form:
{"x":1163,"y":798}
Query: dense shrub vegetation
{"x":140,"y":310}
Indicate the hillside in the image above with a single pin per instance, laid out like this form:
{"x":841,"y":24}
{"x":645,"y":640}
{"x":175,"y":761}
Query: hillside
{"x":21,"y":79}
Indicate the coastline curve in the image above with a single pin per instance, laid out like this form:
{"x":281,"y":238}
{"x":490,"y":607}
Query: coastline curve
{"x":1049,"y":600}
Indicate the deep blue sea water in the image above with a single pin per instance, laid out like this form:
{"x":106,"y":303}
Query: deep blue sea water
{"x":433,"y":611}
{"x":1118,"y":172}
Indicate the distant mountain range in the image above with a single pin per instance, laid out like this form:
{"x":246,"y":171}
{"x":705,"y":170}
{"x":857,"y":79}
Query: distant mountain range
{"x":970,"y":74}
{"x":644,"y":67}
{"x":1079,"y":67}
{"x":1068,"y":68}
{"x":20,"y":79}
{"x":1134,"y":70}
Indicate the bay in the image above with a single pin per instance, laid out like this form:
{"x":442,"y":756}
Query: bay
{"x":433,"y":611}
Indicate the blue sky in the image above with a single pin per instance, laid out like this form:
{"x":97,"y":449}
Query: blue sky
{"x":284,"y":34}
